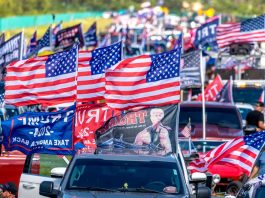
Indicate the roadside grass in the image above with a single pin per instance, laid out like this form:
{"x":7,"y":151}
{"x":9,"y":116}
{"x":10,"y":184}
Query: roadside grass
{"x":48,"y":162}
{"x":102,"y":25}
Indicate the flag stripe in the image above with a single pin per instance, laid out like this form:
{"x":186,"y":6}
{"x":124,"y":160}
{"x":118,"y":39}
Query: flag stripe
{"x":91,"y":86}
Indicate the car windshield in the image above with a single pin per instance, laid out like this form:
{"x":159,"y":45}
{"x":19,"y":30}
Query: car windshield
{"x":223,"y":117}
{"x":126,"y":175}
{"x":247,"y":94}
{"x":205,"y":146}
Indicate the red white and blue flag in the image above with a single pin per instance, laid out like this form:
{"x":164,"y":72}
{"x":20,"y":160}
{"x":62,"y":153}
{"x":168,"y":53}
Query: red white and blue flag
{"x":32,"y":43}
{"x":144,"y":80}
{"x":250,"y":30}
{"x":91,"y":71}
{"x":45,"y":41}
{"x":46,"y":80}
{"x":91,"y":36}
{"x":241,"y":152}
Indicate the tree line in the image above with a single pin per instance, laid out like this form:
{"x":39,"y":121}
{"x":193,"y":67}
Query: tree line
{"x":36,"y":7}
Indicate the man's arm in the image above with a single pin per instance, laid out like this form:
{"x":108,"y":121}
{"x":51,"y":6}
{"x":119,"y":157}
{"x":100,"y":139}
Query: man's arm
{"x":261,"y":125}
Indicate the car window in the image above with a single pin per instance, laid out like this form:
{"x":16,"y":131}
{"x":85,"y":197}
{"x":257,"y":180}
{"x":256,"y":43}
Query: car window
{"x":223,"y":117}
{"x":116,"y":175}
{"x":42,"y":164}
{"x":205,"y":146}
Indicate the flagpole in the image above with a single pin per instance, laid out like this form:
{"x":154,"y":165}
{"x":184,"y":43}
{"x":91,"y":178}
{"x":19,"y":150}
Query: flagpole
{"x":231,"y":89}
{"x":22,"y":45}
{"x":190,"y":137}
{"x":203,"y":98}
{"x":177,"y":128}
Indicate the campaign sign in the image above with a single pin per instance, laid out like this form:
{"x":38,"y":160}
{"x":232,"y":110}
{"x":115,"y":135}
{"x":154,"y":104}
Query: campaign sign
{"x":89,"y":118}
{"x":206,"y":35}
{"x":11,"y":50}
{"x":148,"y":130}
{"x":65,"y":38}
{"x":40,"y":132}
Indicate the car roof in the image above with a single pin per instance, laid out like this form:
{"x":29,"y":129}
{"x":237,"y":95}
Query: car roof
{"x":207,"y":104}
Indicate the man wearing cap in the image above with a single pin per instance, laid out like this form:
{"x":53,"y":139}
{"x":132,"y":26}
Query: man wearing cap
{"x":256,"y":117}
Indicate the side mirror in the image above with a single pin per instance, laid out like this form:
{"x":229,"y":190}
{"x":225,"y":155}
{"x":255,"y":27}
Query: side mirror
{"x":58,"y":172}
{"x":204,"y":192}
{"x":198,"y":177}
{"x":46,"y":189}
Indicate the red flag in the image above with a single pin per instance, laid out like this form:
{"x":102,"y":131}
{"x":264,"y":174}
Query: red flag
{"x":212,"y":89}
{"x":89,"y":118}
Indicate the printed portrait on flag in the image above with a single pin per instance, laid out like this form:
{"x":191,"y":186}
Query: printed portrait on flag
{"x":148,"y":130}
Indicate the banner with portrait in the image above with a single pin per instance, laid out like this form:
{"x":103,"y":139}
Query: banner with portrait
{"x":65,"y":38}
{"x":148,"y":130}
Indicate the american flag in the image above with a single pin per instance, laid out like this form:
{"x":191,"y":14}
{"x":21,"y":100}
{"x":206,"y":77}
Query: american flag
{"x":241,"y":152}
{"x":186,"y":131}
{"x":32,"y":43}
{"x":2,"y":98}
{"x":250,"y":30}
{"x":55,"y":30}
{"x":190,"y":74}
{"x":46,"y":80}
{"x":91,"y":71}
{"x":91,"y":36}
{"x":144,"y":80}
{"x":45,"y":41}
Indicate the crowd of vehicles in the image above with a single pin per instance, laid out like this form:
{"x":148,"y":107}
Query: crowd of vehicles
{"x":223,"y":122}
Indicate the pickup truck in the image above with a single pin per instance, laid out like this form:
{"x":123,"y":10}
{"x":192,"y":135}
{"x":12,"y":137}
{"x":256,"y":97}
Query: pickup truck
{"x":117,"y":175}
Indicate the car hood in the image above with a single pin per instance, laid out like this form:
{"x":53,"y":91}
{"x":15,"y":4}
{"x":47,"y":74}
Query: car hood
{"x":97,"y":194}
{"x":214,"y":131}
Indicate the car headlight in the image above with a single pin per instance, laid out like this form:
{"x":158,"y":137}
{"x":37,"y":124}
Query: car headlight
{"x":216,"y":178}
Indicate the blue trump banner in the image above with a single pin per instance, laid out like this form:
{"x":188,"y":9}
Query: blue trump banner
{"x":206,"y":36}
{"x":11,"y":50}
{"x":40,"y":132}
